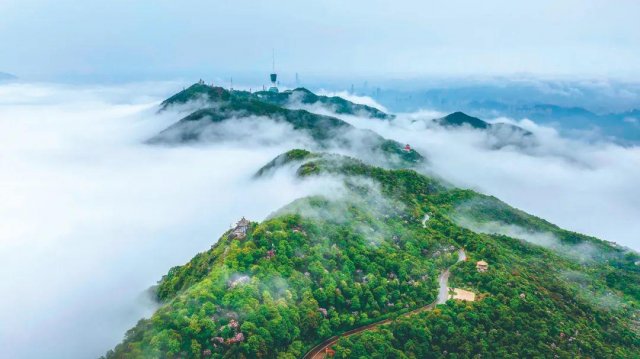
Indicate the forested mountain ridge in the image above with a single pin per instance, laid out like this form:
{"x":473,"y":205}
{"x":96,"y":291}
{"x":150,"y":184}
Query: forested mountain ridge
{"x":299,"y":96}
{"x":321,"y":266}
{"x":215,"y":107}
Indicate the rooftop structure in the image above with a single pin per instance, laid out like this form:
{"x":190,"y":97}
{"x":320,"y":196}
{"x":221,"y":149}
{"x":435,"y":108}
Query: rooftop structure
{"x":482,"y":266}
{"x":240,"y":230}
{"x":461,"y":294}
{"x":243,"y":222}
{"x":271,"y":253}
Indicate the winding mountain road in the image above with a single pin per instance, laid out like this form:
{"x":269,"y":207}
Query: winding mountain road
{"x":318,"y":352}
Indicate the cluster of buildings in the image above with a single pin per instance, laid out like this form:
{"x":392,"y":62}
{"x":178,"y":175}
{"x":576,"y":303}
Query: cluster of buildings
{"x":466,"y":295}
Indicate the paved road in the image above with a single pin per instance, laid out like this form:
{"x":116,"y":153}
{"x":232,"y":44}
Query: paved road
{"x":317,"y":352}
{"x":462,"y":256}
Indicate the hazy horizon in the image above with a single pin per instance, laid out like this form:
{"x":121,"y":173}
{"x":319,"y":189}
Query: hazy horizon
{"x":156,"y":40}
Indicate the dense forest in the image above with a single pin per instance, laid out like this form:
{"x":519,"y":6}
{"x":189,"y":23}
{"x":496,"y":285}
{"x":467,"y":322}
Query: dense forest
{"x":319,"y":267}
{"x":371,"y":261}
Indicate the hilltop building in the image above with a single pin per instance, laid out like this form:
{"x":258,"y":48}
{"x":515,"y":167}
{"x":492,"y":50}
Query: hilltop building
{"x":482,"y":266}
{"x":240,"y":230}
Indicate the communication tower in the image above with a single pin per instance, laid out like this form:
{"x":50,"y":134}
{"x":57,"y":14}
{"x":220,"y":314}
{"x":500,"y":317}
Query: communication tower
{"x":274,"y":75}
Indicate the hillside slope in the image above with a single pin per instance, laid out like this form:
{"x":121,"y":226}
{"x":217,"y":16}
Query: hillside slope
{"x":322,"y":266}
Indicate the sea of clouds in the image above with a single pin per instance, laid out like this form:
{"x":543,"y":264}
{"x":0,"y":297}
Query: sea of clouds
{"x":91,"y":216}
{"x":588,"y":185}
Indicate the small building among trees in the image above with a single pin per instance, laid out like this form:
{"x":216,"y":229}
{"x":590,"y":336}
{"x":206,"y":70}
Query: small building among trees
{"x":482,"y":266}
{"x":461,"y":294}
{"x":240,"y":230}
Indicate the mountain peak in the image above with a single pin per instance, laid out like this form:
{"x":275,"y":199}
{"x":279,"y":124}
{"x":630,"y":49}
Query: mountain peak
{"x":460,"y":119}
{"x":197,"y":91}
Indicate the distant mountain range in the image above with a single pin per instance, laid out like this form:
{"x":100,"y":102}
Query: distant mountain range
{"x":501,"y":134}
{"x":624,"y":126}
{"x":518,"y":102}
{"x":460,"y":119}
{"x":6,"y":77}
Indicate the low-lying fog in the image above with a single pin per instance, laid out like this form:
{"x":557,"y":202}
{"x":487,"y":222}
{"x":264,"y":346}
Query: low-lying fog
{"x":91,"y":217}
{"x":587,"y":185}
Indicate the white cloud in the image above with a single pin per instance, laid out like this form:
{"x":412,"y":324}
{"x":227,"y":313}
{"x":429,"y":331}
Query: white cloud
{"x":581,"y":185}
{"x":583,"y":252}
{"x":91,"y":216}
{"x":362,"y":100}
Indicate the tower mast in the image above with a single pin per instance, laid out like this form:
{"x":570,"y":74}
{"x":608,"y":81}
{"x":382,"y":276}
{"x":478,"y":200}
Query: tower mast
{"x":274,"y":76}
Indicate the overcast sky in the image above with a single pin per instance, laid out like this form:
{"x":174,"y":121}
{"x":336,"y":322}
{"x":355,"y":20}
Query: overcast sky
{"x":123,"y":39}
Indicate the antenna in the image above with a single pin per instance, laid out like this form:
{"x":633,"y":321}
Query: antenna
{"x":273,"y":57}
